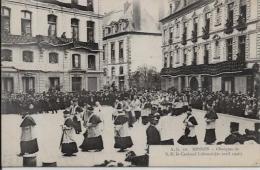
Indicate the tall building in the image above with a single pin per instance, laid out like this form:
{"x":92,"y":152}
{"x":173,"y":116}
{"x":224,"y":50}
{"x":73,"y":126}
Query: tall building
{"x":51,"y":44}
{"x":131,"y":38}
{"x":211,"y":44}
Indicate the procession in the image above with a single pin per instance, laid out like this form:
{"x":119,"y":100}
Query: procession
{"x":152,"y":112}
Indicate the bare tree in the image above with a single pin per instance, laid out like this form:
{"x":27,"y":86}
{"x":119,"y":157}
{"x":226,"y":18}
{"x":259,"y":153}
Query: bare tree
{"x":146,"y":77}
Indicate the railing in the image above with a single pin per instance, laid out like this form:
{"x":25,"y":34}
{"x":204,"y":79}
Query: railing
{"x":212,"y":69}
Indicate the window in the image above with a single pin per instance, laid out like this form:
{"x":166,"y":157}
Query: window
{"x":206,"y":54}
{"x":5,"y":20}
{"x":195,"y":54}
{"x":27,"y":56}
{"x":54,"y":81}
{"x":113,"y":53}
{"x":104,"y":52}
{"x":90,"y":31}
{"x":165,"y":34}
{"x":218,"y":16}
{"x":165,"y":60}
{"x":7,"y":84}
{"x":171,"y":59}
{"x":184,"y":57}
{"x":242,"y":48}
{"x":121,"y":51}
{"x":121,"y":70}
{"x":92,"y":62}
{"x":113,"y":71}
{"x":90,"y":4}
{"x":75,"y":61}
{"x":52,"y":22}
{"x":229,"y":44}
{"x":217,"y":50}
{"x":231,"y":13}
{"x":171,"y":33}
{"x":177,"y":30}
{"x":26,"y":23}
{"x":177,"y":56}
{"x":6,"y":55}
{"x":207,"y":21}
{"x":75,"y":28}
{"x":53,"y":58}
{"x":195,"y":25}
{"x":243,"y":12}
{"x":28,"y":84}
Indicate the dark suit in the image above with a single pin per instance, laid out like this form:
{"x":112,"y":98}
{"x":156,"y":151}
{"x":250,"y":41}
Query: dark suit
{"x":153,"y":135}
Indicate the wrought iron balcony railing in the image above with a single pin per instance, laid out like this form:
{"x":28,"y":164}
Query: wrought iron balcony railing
{"x":212,"y":69}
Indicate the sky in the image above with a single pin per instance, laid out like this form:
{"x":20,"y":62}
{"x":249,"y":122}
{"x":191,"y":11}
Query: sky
{"x":109,"y":5}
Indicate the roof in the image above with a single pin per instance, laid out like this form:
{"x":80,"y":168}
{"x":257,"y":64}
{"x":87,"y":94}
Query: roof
{"x":67,"y":5}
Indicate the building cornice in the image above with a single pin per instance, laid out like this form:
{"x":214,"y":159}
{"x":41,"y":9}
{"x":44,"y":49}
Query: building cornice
{"x":131,"y":33}
{"x":186,"y":9}
{"x":48,"y":6}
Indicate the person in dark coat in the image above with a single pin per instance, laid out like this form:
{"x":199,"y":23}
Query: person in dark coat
{"x":235,"y":137}
{"x":210,"y":118}
{"x":77,"y":118}
{"x":253,"y":135}
{"x":189,"y":137}
{"x":28,"y":144}
{"x":152,"y":133}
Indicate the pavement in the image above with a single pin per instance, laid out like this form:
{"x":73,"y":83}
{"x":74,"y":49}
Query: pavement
{"x":48,"y":131}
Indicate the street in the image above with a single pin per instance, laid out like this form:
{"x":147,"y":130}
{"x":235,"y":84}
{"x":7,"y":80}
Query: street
{"x":48,"y":131}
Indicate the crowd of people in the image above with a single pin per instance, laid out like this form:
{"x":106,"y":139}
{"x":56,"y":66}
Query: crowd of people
{"x":151,"y":109}
{"x":243,"y":105}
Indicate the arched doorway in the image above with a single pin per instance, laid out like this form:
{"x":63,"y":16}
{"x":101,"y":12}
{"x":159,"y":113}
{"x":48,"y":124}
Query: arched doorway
{"x":194,"y":84}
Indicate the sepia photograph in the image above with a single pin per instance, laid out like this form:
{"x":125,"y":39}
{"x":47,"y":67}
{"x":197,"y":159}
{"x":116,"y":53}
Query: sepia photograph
{"x":130,"y":83}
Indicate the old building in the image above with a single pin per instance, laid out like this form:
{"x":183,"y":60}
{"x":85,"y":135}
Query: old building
{"x":50,"y":44}
{"x":212,"y":44}
{"x":131,"y":38}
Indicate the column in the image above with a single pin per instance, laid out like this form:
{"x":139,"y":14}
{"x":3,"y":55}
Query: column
{"x":179,"y":83}
{"x":186,"y":81}
{"x":200,"y":82}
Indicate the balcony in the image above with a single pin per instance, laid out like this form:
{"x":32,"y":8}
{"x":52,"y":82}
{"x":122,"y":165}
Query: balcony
{"x":241,"y":23}
{"x":194,"y":38}
{"x":212,"y":69}
{"x":205,"y":34}
{"x":47,"y":41}
{"x":228,"y":26}
{"x":68,"y":5}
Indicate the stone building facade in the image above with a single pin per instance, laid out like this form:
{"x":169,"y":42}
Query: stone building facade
{"x":131,"y":38}
{"x":51,"y":44}
{"x":211,"y":44}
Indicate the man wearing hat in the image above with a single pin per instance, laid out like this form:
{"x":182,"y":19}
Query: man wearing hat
{"x":28,"y":144}
{"x":68,"y":143}
{"x":152,"y":133}
{"x":76,"y":119}
{"x":122,"y":138}
{"x":189,"y":137}
{"x":210,"y":118}
{"x":235,"y":136}
{"x":253,"y":135}
{"x":92,"y":137}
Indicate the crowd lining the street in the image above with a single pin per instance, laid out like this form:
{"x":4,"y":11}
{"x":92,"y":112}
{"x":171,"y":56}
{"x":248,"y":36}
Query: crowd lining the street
{"x":237,"y":104}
